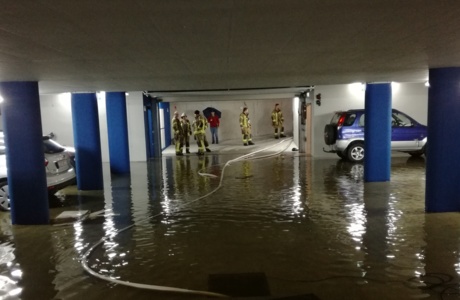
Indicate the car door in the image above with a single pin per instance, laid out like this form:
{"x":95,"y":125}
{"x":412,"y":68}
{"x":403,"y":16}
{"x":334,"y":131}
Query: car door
{"x":404,"y":135}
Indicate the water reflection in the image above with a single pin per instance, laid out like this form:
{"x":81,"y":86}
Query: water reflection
{"x":380,"y":217}
{"x":118,"y":216}
{"x":312,"y":226}
{"x":376,"y":241}
{"x":121,"y":204}
{"x":10,"y":272}
{"x":440,"y":254}
{"x":203,"y":182}
{"x":35,"y":265}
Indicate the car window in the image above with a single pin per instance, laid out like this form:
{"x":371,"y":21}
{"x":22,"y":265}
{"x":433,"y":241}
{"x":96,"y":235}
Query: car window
{"x":349,"y":119}
{"x":400,"y":120}
{"x":50,"y":146}
{"x":2,"y":145}
{"x":361,"y":121}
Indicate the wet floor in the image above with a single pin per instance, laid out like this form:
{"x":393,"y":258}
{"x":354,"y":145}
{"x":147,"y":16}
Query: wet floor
{"x":268,"y":228}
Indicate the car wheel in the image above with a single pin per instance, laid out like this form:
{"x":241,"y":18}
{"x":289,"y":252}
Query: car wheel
{"x":416,"y":153}
{"x":330,"y":134}
{"x":4,"y":196}
{"x":419,"y":152}
{"x":355,"y":152}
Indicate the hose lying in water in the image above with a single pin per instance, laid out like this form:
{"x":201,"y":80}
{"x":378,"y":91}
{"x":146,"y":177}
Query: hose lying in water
{"x":84,"y":259}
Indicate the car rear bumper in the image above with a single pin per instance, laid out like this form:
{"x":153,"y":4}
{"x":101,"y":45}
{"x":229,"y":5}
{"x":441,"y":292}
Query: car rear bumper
{"x":61,"y":180}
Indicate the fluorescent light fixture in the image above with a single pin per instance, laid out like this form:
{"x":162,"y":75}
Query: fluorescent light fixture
{"x":1,"y":99}
{"x":357,"y":87}
{"x":395,"y":86}
{"x":65,"y":100}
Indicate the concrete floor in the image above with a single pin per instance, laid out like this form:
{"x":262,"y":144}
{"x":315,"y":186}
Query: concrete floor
{"x":276,"y":225}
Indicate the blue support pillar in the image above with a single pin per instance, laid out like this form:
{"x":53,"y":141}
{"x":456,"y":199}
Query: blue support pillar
{"x":164,"y":114}
{"x":117,"y":127}
{"x":85,"y":120}
{"x":152,"y":126}
{"x":24,"y":152}
{"x":377,"y":132}
{"x":442,"y":171}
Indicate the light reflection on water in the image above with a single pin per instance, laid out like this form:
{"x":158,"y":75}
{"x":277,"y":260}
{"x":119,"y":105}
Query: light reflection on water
{"x":312,"y":226}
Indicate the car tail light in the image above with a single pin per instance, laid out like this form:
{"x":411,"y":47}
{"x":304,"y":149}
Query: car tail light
{"x":341,"y":120}
{"x":46,"y":162}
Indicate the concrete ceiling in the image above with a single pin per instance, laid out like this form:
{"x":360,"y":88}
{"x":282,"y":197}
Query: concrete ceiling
{"x":192,"y":45}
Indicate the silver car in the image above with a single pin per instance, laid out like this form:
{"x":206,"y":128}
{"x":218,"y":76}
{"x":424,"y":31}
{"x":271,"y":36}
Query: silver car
{"x":58,"y":165}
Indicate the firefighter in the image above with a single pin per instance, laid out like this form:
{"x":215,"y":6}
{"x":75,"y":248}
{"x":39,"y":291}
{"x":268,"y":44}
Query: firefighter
{"x":199,"y":132}
{"x":245,"y":125}
{"x":204,"y":121}
{"x":187,"y":129}
{"x":178,"y":134}
{"x":277,"y":121}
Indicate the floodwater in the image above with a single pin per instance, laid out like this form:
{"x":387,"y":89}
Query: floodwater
{"x":288,"y":224}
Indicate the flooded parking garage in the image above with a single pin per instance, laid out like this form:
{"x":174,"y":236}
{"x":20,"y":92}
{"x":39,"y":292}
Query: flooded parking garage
{"x":270,"y":227}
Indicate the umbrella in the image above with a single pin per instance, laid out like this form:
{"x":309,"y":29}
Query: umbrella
{"x":207,"y":112}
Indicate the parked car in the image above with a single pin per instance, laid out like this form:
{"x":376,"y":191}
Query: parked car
{"x":58,"y":165}
{"x":345,"y":134}
{"x":51,"y":146}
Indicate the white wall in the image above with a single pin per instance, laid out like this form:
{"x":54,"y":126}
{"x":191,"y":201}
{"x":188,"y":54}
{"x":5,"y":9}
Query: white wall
{"x":295,"y":120}
{"x":410,"y":98}
{"x":57,"y":118}
{"x":259,"y":114}
{"x":136,"y":129}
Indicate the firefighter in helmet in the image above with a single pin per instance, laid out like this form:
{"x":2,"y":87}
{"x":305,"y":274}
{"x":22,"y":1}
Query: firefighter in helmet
{"x":178,"y":134}
{"x":277,"y":121}
{"x":199,"y":131}
{"x":187,"y":128}
{"x":245,"y":125}
{"x":204,"y":121}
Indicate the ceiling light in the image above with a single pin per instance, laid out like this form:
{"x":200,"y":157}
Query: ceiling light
{"x":356,"y":88}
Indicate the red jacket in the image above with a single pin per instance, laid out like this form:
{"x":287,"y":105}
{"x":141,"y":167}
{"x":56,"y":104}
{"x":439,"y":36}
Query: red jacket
{"x":213,"y":121}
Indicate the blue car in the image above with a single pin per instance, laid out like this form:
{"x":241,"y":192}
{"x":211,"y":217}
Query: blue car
{"x":345,"y":134}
